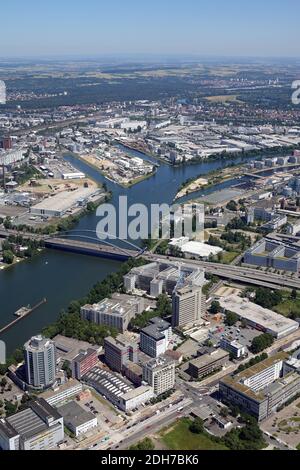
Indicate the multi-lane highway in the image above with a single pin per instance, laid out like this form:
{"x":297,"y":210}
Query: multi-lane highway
{"x":237,"y":273}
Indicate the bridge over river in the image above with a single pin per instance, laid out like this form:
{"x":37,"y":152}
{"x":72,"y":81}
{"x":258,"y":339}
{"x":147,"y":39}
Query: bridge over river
{"x":68,"y":242}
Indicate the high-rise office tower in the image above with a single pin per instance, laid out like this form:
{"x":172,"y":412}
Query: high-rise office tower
{"x":40,"y":362}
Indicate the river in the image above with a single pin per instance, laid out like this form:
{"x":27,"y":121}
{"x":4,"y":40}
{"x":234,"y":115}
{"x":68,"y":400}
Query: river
{"x":62,"y":277}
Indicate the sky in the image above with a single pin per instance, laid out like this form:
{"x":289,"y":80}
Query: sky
{"x":268,"y":28}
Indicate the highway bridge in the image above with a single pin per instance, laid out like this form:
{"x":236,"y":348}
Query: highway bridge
{"x":68,"y":242}
{"x":237,"y":273}
{"x":111,"y":251}
{"x":91,"y":249}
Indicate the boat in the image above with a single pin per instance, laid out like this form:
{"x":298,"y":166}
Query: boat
{"x":22,"y":311}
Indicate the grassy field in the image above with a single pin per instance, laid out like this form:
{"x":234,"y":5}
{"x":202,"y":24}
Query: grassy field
{"x":223,"y":99}
{"x":228,"y":257}
{"x":288,"y":305}
{"x":179,"y":437}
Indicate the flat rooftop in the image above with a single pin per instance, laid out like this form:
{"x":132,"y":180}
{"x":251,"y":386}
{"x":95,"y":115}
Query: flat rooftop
{"x":156,"y":328}
{"x":75,"y":414}
{"x":65,"y":199}
{"x":171,"y":272}
{"x":200,"y":249}
{"x":207,"y":359}
{"x":236,"y":381}
{"x":67,"y":386}
{"x":68,"y":348}
{"x":266,"y":318}
{"x":118,"y":305}
{"x":135,"y":393}
{"x":32,"y":421}
{"x":160,"y":362}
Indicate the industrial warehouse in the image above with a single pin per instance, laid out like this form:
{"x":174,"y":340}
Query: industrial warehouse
{"x":259,"y":317}
{"x":58,"y":205}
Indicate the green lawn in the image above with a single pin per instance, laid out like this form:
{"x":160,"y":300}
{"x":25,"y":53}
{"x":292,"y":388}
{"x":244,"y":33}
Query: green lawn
{"x":179,"y":437}
{"x":228,"y":257}
{"x":287,"y":306}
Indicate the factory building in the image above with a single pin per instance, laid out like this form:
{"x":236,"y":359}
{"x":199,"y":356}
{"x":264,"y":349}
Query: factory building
{"x":76,"y":419}
{"x":135,"y":398}
{"x":117,"y":391}
{"x":38,"y":427}
{"x":62,"y":202}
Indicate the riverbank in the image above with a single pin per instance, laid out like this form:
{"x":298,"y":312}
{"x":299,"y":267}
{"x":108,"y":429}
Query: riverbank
{"x":58,"y":275}
{"x":193,"y":185}
{"x":92,"y":164}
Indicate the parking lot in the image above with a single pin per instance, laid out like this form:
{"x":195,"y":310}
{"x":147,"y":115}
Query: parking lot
{"x":243,"y":336}
{"x":101,"y":408}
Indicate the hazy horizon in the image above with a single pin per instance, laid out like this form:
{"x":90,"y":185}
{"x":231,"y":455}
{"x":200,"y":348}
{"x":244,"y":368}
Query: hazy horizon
{"x":200,"y":28}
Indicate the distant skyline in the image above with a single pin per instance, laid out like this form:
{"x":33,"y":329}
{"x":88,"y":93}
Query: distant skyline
{"x":231,"y":28}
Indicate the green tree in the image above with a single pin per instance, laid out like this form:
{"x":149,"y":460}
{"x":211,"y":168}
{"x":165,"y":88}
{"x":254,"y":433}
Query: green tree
{"x":67,"y":369}
{"x":146,"y":444}
{"x":294,"y":294}
{"x":8,"y":257}
{"x":3,"y":382}
{"x":215,"y":307}
{"x":197,"y":426}
{"x":262,"y":342}
{"x":231,"y":318}
{"x":232,"y":206}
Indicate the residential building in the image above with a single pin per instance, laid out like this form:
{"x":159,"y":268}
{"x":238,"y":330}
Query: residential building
{"x":155,"y":338}
{"x":160,"y":374}
{"x":38,"y":427}
{"x":40,"y":362}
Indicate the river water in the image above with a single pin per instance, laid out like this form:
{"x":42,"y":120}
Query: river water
{"x":62,"y":277}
